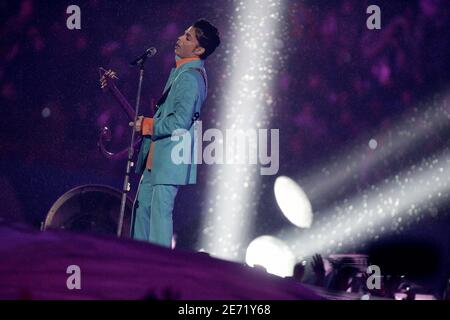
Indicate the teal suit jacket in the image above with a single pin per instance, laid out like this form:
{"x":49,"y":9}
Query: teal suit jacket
{"x":186,"y":97}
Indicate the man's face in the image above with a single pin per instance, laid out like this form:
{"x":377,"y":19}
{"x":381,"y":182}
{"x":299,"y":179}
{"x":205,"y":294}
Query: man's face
{"x":187,"y":45}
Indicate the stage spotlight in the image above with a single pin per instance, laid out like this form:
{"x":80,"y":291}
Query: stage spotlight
{"x":293,"y":202}
{"x":271,"y":253}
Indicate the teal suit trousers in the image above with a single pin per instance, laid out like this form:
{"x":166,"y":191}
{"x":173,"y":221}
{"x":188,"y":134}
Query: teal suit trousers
{"x":153,"y":208}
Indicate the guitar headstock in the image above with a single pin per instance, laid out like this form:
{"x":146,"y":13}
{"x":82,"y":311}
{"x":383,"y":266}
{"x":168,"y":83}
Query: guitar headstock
{"x":106,"y":77}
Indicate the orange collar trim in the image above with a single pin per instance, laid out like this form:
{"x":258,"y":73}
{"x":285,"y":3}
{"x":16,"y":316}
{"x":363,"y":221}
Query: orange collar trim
{"x":180,"y":62}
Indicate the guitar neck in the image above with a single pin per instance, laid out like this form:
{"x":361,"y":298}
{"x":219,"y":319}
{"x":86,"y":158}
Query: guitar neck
{"x":122,"y":101}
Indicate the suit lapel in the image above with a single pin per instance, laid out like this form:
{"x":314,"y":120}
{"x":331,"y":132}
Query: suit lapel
{"x":174,"y":73}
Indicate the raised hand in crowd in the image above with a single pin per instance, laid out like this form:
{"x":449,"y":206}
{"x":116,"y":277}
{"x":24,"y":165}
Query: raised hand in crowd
{"x":319,"y":269}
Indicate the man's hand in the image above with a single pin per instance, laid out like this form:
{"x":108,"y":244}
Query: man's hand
{"x":138,"y":125}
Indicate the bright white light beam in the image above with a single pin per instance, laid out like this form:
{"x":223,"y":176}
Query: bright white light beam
{"x":415,"y":130}
{"x":401,"y":199}
{"x":250,"y":69}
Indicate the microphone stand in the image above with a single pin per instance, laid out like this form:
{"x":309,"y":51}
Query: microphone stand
{"x":126,"y":184}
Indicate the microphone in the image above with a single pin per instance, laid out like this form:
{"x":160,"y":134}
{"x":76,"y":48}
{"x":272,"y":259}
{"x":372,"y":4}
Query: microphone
{"x":150,"y":52}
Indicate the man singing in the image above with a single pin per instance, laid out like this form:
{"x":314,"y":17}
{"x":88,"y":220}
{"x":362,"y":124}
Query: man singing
{"x":179,"y":107}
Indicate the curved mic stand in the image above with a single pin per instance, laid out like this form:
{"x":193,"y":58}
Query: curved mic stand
{"x":126,"y":184}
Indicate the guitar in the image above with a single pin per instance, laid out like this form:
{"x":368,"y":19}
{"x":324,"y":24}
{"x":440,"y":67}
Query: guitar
{"x":107,"y":81}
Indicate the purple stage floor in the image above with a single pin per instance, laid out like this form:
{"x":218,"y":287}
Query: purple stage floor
{"x":34,"y":266}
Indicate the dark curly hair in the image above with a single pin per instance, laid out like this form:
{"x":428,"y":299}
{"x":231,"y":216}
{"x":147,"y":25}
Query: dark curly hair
{"x":207,"y":35}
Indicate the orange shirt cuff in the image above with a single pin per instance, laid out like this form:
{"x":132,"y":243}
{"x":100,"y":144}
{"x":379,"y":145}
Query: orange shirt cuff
{"x":147,"y":127}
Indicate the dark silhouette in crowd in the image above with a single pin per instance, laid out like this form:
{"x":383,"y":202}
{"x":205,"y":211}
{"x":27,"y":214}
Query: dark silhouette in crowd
{"x":299,"y":271}
{"x":259,"y":268}
{"x":346,"y":276}
{"x":342,"y":279}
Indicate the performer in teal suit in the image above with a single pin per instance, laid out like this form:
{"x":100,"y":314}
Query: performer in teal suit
{"x":179,"y":107}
